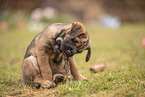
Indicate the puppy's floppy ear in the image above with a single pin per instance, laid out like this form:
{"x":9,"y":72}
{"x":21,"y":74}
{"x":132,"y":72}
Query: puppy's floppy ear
{"x":77,"y":29}
{"x":88,"y":53}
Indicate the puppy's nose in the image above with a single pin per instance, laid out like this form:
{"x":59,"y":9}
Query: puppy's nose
{"x":68,"y":50}
{"x":68,"y":47}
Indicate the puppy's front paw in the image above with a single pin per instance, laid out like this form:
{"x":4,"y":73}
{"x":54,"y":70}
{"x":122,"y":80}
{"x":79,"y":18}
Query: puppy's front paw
{"x":58,"y":78}
{"x":83,"y":78}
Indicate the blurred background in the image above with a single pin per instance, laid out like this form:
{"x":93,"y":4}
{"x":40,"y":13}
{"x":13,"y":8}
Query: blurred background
{"x":34,"y":15}
{"x":117,"y":34}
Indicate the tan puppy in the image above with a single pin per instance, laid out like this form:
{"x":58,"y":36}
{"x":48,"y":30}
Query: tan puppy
{"x":43,"y":63}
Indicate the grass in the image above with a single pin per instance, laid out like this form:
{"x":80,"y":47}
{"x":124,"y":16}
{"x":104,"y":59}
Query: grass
{"x":119,"y":49}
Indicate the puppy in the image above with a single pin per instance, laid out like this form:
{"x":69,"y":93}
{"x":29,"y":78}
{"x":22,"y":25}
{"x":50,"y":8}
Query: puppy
{"x":44,"y":64}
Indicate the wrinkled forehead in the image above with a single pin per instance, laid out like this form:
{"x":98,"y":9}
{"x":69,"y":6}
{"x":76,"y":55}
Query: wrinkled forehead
{"x":83,"y":43}
{"x":83,"y":37}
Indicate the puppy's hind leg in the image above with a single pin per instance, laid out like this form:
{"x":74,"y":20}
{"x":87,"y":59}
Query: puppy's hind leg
{"x":58,"y":78}
{"x":30,"y":71}
{"x":32,"y":74}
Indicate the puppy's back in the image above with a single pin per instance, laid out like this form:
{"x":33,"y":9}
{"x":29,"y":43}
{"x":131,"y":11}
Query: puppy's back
{"x":31,"y":49}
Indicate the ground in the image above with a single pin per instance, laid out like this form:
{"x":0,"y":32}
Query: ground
{"x":119,"y":49}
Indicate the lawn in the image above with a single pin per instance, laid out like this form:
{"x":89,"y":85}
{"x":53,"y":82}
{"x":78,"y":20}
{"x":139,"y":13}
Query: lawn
{"x":119,"y":49}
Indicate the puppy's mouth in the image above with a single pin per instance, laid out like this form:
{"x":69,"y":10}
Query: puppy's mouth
{"x":67,"y":50}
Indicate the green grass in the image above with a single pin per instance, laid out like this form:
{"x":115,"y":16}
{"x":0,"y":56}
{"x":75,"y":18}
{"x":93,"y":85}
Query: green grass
{"x":119,"y":49}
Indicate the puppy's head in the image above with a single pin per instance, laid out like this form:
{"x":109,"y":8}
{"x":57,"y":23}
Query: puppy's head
{"x":76,"y":41}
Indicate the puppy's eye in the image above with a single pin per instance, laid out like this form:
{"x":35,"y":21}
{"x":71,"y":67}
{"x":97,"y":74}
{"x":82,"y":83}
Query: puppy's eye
{"x":74,"y":41}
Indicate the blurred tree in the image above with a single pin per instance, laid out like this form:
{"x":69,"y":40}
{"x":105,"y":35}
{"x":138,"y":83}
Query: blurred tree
{"x":127,"y":10}
{"x":25,"y":5}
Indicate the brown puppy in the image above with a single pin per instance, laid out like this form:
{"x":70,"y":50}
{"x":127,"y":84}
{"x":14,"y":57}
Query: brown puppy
{"x":43,"y":63}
